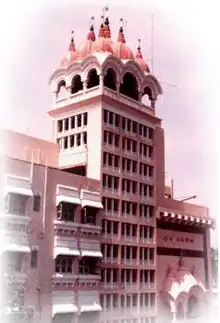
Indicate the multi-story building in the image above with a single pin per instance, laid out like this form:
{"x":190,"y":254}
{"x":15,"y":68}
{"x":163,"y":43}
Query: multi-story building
{"x":89,"y":205}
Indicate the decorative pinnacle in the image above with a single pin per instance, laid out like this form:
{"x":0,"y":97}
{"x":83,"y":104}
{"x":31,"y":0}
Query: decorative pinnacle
{"x":139,"y":44}
{"x":72,"y":36}
{"x":104,"y":10}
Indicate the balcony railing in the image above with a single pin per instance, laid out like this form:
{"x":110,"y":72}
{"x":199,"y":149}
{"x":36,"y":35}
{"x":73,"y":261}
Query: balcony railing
{"x":146,"y":240}
{"x":147,"y":285}
{"x":111,"y":169}
{"x":112,"y":285}
{"x":129,"y":261}
{"x":147,"y":263}
{"x":109,"y":235}
{"x":110,"y":260}
{"x":110,"y":190}
{"x":129,"y":238}
{"x":112,"y":213}
{"x":126,"y":285}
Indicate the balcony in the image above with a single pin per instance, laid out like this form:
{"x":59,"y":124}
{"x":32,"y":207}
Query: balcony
{"x":65,"y":245}
{"x":146,"y":240}
{"x":129,"y":174}
{"x":131,"y":218}
{"x":130,"y":262}
{"x":63,"y":302}
{"x":112,"y":148}
{"x":144,"y":286}
{"x":110,"y":191}
{"x":110,"y":236}
{"x":110,"y":260}
{"x":129,"y":238}
{"x":67,"y":194}
{"x":146,"y":263}
{"x":73,"y":156}
{"x":130,"y":196}
{"x":64,"y":278}
{"x":89,"y":280}
{"x":110,"y":285}
{"x":91,"y":199}
{"x":113,"y":214}
{"x":147,"y":199}
{"x":111,"y":169}
{"x":90,"y":248}
{"x":129,"y":286}
{"x":14,"y":231}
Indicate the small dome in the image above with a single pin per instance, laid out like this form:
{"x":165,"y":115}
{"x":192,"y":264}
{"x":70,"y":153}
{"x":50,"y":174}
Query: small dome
{"x":120,"y":49}
{"x":139,"y":59}
{"x":85,"y":48}
{"x":101,"y":44}
{"x":71,"y":55}
{"x":170,"y":281}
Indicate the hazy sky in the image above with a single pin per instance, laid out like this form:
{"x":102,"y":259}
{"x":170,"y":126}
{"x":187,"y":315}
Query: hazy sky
{"x":38,"y":37}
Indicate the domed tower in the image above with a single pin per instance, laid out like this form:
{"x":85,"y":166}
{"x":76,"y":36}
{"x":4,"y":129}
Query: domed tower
{"x":106,"y":132}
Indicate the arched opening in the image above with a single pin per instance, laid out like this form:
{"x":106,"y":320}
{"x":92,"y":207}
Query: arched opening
{"x":193,"y":308}
{"x":92,"y":79}
{"x":77,"y":84}
{"x":129,"y":87}
{"x":166,"y":312}
{"x":147,"y":96}
{"x":110,"y":79}
{"x":180,"y":311}
{"x":61,"y":90}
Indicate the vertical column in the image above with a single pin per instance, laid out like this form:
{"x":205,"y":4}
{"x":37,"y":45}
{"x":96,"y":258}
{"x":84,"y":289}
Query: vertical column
{"x":84,"y":85}
{"x":148,"y":278}
{"x":149,"y":302}
{"x":148,"y":256}
{"x":111,"y":276}
{"x":101,"y":82}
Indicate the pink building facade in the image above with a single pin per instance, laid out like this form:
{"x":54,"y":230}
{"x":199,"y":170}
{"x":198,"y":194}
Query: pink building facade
{"x":96,"y":234}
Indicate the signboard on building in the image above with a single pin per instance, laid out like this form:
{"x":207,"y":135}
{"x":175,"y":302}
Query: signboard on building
{"x":179,"y":240}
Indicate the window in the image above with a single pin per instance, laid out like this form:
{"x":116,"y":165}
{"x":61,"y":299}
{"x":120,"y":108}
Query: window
{"x":78,"y":139}
{"x":64,"y":265}
{"x":66,"y":124}
{"x":88,"y":266}
{"x":60,"y":125}
{"x":16,"y":204}
{"x":72,"y":141}
{"x":88,"y":215}
{"x":79,"y":120}
{"x":65,"y":142}
{"x":85,"y":138}
{"x":65,"y":212}
{"x":37,"y":202}
{"x":34,"y":257}
{"x":72,"y":122}
{"x":85,"y":118}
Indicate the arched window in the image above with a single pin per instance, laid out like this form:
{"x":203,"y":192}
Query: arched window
{"x":61,"y":89}
{"x":92,"y":79}
{"x":180,"y":311}
{"x":77,"y":84}
{"x":129,"y":87}
{"x":110,"y":79}
{"x":147,"y":96}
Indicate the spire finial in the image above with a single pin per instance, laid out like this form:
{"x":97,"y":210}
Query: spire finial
{"x":107,"y":31}
{"x":121,"y":37}
{"x":139,"y":53}
{"x":72,"y":43}
{"x":91,"y":34}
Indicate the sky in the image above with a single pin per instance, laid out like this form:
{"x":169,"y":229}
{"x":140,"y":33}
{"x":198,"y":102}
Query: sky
{"x":35,"y":36}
